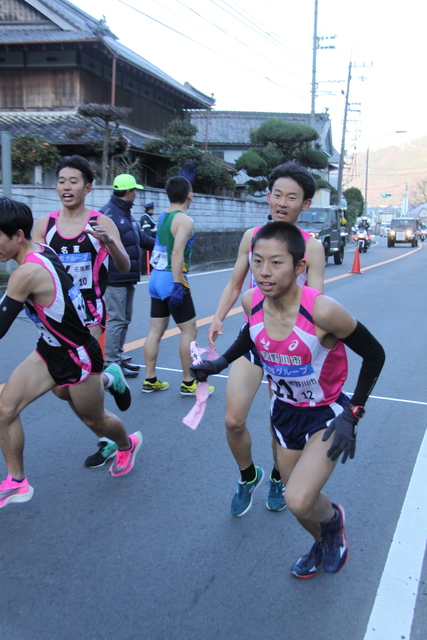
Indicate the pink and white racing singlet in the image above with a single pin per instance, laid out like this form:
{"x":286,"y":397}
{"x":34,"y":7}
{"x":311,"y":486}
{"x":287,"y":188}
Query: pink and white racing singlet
{"x":299,"y":369}
{"x":302,"y":278}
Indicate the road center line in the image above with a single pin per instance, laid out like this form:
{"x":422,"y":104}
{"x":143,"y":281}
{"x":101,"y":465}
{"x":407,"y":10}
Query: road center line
{"x":136,"y":344}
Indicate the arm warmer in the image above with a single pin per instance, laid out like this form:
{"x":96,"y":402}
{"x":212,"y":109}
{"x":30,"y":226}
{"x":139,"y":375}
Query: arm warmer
{"x":242,"y":344}
{"x":9,"y":309}
{"x":362,"y":342}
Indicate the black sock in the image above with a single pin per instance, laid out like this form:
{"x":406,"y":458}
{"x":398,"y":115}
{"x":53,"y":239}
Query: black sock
{"x":275,"y":474}
{"x":249,"y":474}
{"x":334,"y":518}
{"x":21,"y":480}
{"x":152,"y":380}
{"x":187,"y":384}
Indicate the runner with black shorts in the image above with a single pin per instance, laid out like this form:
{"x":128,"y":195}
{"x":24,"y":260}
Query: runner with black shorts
{"x":300,"y":334}
{"x":169,"y":288}
{"x":84,"y":241}
{"x":67,"y":355}
{"x":291,"y":189}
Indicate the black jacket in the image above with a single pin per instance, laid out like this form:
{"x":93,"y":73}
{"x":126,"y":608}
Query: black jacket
{"x":132,"y":238}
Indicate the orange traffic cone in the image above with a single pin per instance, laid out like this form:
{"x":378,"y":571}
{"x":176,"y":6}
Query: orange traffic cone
{"x":102,"y":338}
{"x":356,"y":263}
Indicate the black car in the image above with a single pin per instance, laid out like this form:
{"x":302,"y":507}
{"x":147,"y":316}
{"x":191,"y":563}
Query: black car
{"x":403,"y":230}
{"x":324,"y":224}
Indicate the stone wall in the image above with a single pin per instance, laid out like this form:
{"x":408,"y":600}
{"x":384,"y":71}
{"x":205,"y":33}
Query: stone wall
{"x":219,"y":221}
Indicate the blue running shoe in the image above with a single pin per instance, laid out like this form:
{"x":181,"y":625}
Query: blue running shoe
{"x":306,"y":567}
{"x":242,"y":499}
{"x":334,"y":542}
{"x":276,"y":498}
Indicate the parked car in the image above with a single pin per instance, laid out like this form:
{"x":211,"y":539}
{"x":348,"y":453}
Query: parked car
{"x":324,"y":224}
{"x":403,"y":230}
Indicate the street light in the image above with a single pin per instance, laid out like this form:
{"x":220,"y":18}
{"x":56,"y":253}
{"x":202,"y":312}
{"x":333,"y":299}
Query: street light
{"x":367,"y":165}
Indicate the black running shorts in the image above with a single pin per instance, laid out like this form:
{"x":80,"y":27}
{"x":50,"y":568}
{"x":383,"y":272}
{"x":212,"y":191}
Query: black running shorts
{"x":183,"y":313}
{"x":73,"y":365}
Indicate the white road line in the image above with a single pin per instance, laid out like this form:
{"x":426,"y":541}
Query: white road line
{"x":219,"y":375}
{"x":394,"y":605}
{"x":393,"y":610}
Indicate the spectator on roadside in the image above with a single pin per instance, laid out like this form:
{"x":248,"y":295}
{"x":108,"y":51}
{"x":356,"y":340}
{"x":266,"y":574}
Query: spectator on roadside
{"x":147,"y":222}
{"x":149,"y":227}
{"x":120,"y":289}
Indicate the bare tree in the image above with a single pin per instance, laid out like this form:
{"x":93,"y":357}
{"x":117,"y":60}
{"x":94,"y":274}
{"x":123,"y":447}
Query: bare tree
{"x":418,"y":194}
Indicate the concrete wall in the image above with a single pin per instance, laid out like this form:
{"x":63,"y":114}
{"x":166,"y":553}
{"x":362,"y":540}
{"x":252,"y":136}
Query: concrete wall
{"x":219,"y":221}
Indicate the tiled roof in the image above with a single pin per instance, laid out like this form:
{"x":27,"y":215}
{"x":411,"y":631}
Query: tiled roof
{"x":52,"y":125}
{"x":233,"y":127}
{"x":15,"y":35}
{"x":128,"y":55}
{"x":78,"y":25}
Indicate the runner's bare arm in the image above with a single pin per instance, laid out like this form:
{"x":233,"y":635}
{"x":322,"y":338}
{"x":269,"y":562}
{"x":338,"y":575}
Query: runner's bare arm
{"x":39,"y":230}
{"x":108,"y":234}
{"x":232,"y":289}
{"x":315,"y":264}
{"x":27,"y":280}
{"x":333,"y":319}
{"x":182,"y":230}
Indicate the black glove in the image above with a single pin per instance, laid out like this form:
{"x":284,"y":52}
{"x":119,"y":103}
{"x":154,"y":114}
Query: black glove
{"x":345,"y":427}
{"x":200,"y":372}
{"x":177,"y":296}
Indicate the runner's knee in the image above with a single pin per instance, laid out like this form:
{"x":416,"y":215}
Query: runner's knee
{"x":235,"y":422}
{"x":7,"y":413}
{"x":298,"y":503}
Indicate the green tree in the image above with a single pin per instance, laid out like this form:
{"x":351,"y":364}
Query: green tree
{"x":178,"y":145}
{"x":29,"y":152}
{"x":355,"y":204}
{"x":277,"y":141}
{"x":103,"y":134}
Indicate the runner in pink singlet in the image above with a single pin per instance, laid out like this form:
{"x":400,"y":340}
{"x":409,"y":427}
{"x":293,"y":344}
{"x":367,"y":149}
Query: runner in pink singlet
{"x":300,"y":336}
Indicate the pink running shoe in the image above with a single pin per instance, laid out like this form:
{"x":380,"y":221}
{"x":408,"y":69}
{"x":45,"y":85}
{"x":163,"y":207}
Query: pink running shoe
{"x":123,"y":462}
{"x":12,"y":491}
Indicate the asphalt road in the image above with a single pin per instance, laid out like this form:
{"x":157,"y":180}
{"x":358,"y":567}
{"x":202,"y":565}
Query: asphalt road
{"x":156,"y":555}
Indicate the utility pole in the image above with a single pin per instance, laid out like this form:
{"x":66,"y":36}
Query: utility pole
{"x":344,"y":129}
{"x":313,"y":69}
{"x":316,"y":46}
{"x":6,"y":163}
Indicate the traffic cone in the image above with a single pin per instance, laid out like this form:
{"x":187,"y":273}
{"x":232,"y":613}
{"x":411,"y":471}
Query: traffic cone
{"x":356,"y":263}
{"x":102,"y":339}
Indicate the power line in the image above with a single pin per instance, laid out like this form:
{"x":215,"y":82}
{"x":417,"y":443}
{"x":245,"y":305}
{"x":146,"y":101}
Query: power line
{"x":265,"y":34}
{"x":209,"y":49}
{"x":236,"y":39}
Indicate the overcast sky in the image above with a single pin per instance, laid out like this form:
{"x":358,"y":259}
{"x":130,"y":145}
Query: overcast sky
{"x":253,"y":61}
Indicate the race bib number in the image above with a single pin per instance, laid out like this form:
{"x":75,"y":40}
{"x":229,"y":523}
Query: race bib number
{"x":296,"y":385}
{"x":79,"y":304}
{"x":79,"y":267}
{"x":48,"y":337}
{"x":159,"y":258}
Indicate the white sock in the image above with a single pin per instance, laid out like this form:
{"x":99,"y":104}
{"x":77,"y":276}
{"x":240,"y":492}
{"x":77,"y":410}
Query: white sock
{"x":110,"y":379}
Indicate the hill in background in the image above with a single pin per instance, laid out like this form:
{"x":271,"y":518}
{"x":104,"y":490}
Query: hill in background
{"x":390,"y":170}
